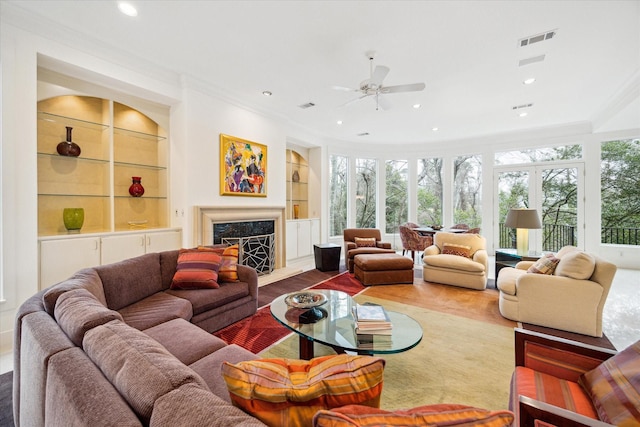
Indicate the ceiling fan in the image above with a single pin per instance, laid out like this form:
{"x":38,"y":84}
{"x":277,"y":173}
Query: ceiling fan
{"x":373,"y":86}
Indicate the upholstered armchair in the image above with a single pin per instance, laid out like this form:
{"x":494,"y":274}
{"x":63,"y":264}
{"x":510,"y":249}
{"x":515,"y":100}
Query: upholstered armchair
{"x":559,"y":382}
{"x":570,"y":296}
{"x":458,"y":259}
{"x":358,"y":241}
{"x":413,"y":241}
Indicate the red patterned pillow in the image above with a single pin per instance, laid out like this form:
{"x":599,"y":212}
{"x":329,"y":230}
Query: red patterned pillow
{"x":459,"y":250}
{"x":365,"y":242}
{"x":196,"y":270}
{"x":614,"y":387}
{"x":290,"y":391}
{"x":545,"y":265}
{"x":430,"y":415}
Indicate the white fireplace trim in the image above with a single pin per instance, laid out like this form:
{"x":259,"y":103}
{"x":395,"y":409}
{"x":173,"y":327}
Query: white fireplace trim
{"x":206,"y":216}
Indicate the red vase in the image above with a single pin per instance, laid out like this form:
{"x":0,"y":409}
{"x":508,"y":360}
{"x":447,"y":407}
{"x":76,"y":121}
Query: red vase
{"x":136,"y":189}
{"x":68,"y":148}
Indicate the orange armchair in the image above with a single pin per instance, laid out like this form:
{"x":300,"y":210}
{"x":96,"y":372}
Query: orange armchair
{"x":351,"y":249}
{"x":413,"y":241}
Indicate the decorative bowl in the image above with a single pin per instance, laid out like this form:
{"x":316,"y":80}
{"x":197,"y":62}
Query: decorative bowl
{"x":436,"y":227}
{"x":305,"y":299}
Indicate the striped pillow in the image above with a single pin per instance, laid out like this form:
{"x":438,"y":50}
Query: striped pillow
{"x":365,"y":242}
{"x":290,"y":391}
{"x":614,"y":387}
{"x":196,"y":270}
{"x":229,"y":268}
{"x":431,"y":415}
{"x":545,"y":265}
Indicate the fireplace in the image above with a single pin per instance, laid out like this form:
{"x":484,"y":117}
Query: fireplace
{"x":238,"y":221}
{"x":255,"y":240}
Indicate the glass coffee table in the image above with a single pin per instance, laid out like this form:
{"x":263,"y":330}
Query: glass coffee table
{"x":332,"y":324}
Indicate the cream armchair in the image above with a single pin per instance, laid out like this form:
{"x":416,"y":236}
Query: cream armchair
{"x":571,"y":299}
{"x":458,"y":259}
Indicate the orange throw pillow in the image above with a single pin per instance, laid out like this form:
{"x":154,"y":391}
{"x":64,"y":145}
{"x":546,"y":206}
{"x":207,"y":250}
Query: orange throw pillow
{"x":196,"y":270}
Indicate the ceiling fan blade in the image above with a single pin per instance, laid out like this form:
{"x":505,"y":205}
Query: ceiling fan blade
{"x":353,"y":101}
{"x":345,"y":89}
{"x":383,"y":103}
{"x":414,"y":87}
{"x":379,"y":74}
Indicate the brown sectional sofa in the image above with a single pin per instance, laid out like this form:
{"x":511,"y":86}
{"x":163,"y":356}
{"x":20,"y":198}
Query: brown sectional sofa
{"x":113,"y":345}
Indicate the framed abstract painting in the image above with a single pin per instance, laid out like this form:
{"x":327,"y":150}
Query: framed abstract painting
{"x":243,"y":168}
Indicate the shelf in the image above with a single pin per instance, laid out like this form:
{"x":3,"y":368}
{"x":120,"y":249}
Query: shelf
{"x":72,"y":159}
{"x":70,"y":121}
{"x":136,"y":134}
{"x":139,"y":165}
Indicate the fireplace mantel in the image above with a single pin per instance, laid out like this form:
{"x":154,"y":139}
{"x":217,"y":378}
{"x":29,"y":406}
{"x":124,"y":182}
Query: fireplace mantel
{"x":206,"y":216}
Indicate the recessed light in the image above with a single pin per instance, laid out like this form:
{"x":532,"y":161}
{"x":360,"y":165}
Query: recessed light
{"x":339,"y":122}
{"x":529,"y":81}
{"x":523,"y":114}
{"x":416,"y":106}
{"x":127,"y":8}
{"x":434,"y":129}
{"x":267,"y":93}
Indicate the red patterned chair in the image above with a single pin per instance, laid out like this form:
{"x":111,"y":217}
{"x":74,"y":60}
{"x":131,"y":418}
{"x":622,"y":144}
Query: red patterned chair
{"x":559,"y":382}
{"x":413,"y":241}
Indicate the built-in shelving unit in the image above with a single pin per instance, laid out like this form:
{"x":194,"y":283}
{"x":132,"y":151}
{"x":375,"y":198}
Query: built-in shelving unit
{"x":297,"y":186}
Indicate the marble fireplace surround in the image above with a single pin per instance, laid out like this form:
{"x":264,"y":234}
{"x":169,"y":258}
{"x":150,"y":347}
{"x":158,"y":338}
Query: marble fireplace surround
{"x":206,"y":216}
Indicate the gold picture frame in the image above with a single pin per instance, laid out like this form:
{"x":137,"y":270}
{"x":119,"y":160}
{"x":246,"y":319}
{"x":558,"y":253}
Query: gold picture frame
{"x":243,"y":167}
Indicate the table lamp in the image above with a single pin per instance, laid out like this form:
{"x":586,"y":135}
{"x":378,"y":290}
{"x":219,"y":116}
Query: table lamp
{"x":522,"y":220}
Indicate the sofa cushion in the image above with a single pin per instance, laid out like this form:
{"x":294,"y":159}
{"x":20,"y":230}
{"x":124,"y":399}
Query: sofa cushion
{"x":156,"y":309}
{"x":545,"y":265}
{"x":187,"y":342}
{"x":455,"y":249}
{"x":453,"y":262}
{"x":566,"y":250}
{"x":140,"y":368}
{"x":131,"y":280}
{"x":78,"y":311}
{"x":431,"y":415}
{"x":196,"y":270}
{"x":203,"y":300}
{"x":191,"y":405}
{"x":577,"y":265}
{"x":365,"y":242}
{"x":290,"y":391}
{"x":614,"y":387}
{"x":552,"y":390}
{"x":84,"y":279}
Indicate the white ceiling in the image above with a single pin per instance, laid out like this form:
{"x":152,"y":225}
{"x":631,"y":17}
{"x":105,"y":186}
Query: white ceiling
{"x":466,"y":52}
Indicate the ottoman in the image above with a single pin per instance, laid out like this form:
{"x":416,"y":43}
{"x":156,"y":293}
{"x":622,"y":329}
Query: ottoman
{"x":383,"y":269}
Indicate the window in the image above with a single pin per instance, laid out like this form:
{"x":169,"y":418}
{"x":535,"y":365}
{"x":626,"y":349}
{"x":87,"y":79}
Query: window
{"x":620,"y":193}
{"x":429,"y":191}
{"x":396,"y":181}
{"x":366,"y":193}
{"x":338,"y":173}
{"x":467,"y":202}
{"x":543,"y":154}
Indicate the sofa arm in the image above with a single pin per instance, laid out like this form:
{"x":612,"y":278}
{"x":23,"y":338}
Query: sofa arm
{"x":524,"y":265}
{"x":532,"y":410}
{"x":383,"y":245}
{"x":249,"y":275}
{"x":481,"y":257}
{"x":556,"y":350}
{"x":431,"y":250}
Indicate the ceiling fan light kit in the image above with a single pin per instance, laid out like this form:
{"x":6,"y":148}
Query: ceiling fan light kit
{"x":373,"y":86}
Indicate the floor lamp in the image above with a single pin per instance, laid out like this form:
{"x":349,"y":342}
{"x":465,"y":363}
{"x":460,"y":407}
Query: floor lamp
{"x":522,"y":220}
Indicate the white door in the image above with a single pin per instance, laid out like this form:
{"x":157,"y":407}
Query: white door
{"x":163,"y":241}
{"x":118,"y":248}
{"x":59,"y":259}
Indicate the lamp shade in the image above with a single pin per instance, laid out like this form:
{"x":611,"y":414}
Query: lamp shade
{"x":522,"y":218}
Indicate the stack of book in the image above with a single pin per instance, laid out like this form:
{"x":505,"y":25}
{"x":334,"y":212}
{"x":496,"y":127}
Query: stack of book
{"x":372,"y":324}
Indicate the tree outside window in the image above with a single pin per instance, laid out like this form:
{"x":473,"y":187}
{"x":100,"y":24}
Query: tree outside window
{"x":396,"y":206}
{"x":467,"y":195}
{"x":429,"y":191}
{"x":338,"y":173}
{"x":366,"y":193}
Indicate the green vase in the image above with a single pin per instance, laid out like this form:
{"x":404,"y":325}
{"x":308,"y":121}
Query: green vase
{"x":73,"y":218}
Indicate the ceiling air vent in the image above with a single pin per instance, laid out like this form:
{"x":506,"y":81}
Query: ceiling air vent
{"x":363,"y":134}
{"x":517,"y":107}
{"x":548,"y":35}
{"x":307,"y":105}
{"x":531,"y":60}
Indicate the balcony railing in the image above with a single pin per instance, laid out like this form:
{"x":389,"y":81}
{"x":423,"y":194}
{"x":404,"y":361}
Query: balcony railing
{"x":556,"y":236}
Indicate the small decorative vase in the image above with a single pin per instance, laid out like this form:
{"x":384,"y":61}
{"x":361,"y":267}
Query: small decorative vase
{"x":295,"y":177}
{"x":136,"y":189}
{"x":73,"y":218}
{"x":68,"y":148}
{"x":296,"y":211}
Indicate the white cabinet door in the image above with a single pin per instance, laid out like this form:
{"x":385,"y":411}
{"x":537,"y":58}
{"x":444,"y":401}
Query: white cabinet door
{"x":163,"y":241}
{"x":118,"y":248}
{"x":315,"y":231}
{"x":304,"y":238}
{"x":59,"y":259}
{"x":292,"y":240}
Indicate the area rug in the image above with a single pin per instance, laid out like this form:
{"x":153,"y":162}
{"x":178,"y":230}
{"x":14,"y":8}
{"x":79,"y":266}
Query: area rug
{"x":459,"y":360}
{"x":261,"y":330}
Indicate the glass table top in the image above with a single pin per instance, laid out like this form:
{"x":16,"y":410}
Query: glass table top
{"x":333,"y":324}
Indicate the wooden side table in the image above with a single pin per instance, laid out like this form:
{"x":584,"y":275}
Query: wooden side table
{"x":327,"y":256}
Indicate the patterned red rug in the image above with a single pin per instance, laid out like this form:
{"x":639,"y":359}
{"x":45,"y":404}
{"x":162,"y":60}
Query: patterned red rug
{"x":261,"y":330}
